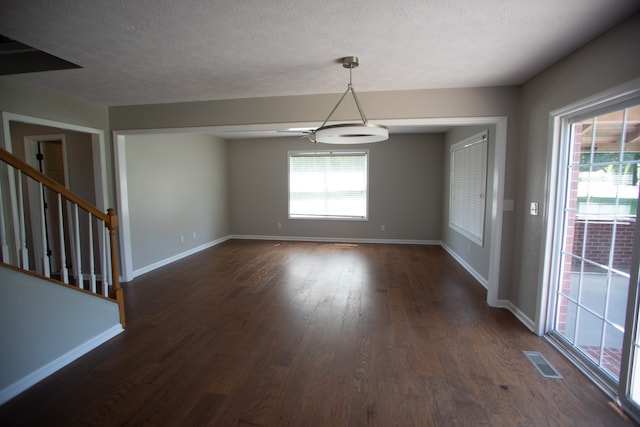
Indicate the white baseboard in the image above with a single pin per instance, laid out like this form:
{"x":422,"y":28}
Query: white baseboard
{"x":41,"y":373}
{"x":466,"y":266}
{"x":177,"y":257}
{"x":334,"y":239}
{"x":530,"y":324}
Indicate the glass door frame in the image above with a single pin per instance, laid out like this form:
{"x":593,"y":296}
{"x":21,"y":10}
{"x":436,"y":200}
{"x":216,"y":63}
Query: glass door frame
{"x":561,"y":122}
{"x":629,"y":349}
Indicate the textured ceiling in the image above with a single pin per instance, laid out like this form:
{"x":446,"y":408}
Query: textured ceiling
{"x":158,"y":51}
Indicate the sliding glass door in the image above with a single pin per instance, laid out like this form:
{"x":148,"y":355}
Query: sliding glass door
{"x":595,"y":280}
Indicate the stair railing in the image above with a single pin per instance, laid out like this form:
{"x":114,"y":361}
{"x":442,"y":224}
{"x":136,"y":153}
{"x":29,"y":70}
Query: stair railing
{"x":75,"y":229}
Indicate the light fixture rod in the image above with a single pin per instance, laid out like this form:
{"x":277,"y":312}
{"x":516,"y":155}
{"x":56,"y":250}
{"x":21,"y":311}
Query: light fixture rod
{"x":353,"y":62}
{"x":353,"y":92}
{"x":349,"y":133}
{"x":334,"y":108}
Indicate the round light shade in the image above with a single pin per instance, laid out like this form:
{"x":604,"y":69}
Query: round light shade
{"x":352,"y":133}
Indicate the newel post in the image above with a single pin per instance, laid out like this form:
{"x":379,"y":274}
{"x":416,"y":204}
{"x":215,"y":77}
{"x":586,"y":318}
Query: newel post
{"x":116,"y":290}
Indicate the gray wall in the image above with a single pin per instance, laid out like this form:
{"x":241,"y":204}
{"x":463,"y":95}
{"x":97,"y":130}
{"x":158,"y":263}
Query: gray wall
{"x":431,"y":104}
{"x":434,"y":103}
{"x":477,"y":257}
{"x":39,"y":323}
{"x":177,"y":186}
{"x":606,"y":62}
{"x":78,"y":150}
{"x":19,"y":98}
{"x":609,"y":60}
{"x":405,"y":190}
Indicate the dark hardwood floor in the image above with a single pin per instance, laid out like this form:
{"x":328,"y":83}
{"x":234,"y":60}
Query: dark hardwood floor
{"x":262,"y":333}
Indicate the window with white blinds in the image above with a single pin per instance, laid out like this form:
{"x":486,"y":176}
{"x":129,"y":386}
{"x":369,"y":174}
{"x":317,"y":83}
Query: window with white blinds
{"x":468,"y":187}
{"x":328,"y":184}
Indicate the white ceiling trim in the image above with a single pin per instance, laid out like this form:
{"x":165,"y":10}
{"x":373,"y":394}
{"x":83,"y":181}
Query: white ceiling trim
{"x":396,"y":126}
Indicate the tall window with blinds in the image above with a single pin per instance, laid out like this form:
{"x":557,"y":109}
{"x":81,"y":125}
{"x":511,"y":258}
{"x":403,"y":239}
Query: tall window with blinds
{"x":328,"y":184}
{"x":468,"y":182}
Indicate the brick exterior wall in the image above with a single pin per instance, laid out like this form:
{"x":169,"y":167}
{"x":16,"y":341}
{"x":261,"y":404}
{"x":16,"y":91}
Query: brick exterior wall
{"x":598,"y":241}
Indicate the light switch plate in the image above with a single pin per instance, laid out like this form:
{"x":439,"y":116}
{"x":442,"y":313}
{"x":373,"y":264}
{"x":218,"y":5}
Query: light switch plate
{"x":534,"y":208}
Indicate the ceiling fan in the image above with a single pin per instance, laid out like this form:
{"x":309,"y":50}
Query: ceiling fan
{"x":304,"y":132}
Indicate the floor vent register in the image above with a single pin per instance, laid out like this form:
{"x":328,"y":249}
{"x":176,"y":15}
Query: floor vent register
{"x":541,"y":364}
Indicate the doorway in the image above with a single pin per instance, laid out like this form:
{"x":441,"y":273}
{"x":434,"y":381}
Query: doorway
{"x":85,"y":174}
{"x":50,"y":235}
{"x":593,"y":304}
{"x":50,"y":158}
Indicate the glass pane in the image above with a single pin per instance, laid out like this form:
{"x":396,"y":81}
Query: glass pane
{"x":468,"y":187}
{"x":602,"y":176}
{"x":601,"y":192}
{"x":597,"y":243}
{"x":608,"y":129}
{"x":623,"y":248}
{"x":612,"y":353}
{"x":634,"y":393}
{"x":634,"y":381}
{"x":632,"y":127}
{"x":328,"y":185}
{"x":574,"y":234}
{"x":582,"y":138}
{"x":617,"y":305}
{"x":594,"y":289}
{"x":566,"y":318}
{"x":570,"y":281}
{"x":589,"y":335}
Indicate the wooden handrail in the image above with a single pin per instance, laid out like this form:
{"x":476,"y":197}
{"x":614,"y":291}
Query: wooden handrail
{"x":34,"y":173}
{"x":110,"y":219}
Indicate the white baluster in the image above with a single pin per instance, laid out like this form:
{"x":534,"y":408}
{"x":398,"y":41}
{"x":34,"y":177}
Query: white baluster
{"x":64,"y":272}
{"x":105,"y":270}
{"x":23,"y":252}
{"x":92,"y":275}
{"x":46,"y":271}
{"x":77,"y":267}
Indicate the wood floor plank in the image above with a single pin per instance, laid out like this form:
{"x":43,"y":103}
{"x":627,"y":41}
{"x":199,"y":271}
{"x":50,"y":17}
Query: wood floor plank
{"x":266,"y":333}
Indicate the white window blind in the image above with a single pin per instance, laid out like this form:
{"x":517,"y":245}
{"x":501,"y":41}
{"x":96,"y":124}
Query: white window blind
{"x":468,"y":186}
{"x":328,"y":184}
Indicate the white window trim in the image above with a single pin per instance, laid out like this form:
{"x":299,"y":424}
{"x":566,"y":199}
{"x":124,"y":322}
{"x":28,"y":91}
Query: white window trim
{"x":559,"y":123}
{"x":327,"y":218}
{"x":476,"y":236}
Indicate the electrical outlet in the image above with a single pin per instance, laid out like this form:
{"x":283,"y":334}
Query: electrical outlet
{"x":182,"y":238}
{"x":194,"y":235}
{"x":279,"y":225}
{"x":382,"y":228}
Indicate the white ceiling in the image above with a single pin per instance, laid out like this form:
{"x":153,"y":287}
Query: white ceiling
{"x":158,"y":51}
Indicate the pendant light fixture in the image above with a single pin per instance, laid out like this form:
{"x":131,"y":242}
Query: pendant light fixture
{"x":350,"y":133}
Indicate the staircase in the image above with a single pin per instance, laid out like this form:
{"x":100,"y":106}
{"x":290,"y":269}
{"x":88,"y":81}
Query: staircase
{"x":48,"y":231}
